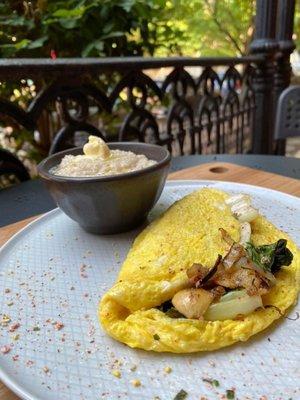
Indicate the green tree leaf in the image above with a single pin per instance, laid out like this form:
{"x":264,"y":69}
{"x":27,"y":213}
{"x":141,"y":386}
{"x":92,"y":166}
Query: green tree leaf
{"x":17,"y":21}
{"x":96,"y":45}
{"x":127,"y":4}
{"x":35,"y":44}
{"x":112,"y":35}
{"x":68,"y":23}
{"x":22,"y":44}
{"x":73,"y":13}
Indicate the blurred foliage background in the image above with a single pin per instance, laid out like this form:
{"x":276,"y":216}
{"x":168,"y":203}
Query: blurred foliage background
{"x":109,"y":28}
{"x":82,"y":28}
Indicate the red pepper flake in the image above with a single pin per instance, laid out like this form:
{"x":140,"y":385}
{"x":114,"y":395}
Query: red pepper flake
{"x":58,"y":326}
{"x":5,"y":349}
{"x":16,"y":357}
{"x":91,"y":331}
{"x":83,"y":273}
{"x":14,"y":327}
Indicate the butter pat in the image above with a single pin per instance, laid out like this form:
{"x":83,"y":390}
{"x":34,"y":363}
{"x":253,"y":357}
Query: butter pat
{"x":96,"y":147}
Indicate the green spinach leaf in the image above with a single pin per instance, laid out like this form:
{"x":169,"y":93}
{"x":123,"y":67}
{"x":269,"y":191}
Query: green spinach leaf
{"x":271,"y":257}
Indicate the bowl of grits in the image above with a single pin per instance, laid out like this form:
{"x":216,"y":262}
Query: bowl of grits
{"x":107,"y":188}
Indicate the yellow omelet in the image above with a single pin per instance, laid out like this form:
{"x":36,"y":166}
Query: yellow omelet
{"x":155,"y":269}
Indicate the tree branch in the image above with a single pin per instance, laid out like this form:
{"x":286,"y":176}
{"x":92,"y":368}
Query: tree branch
{"x":222,"y":29}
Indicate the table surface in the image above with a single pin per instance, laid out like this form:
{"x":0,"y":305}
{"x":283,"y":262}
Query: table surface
{"x":31,"y":198}
{"x":217,"y":170}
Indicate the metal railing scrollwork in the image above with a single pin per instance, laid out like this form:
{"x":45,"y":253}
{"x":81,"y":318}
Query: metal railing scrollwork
{"x":202,"y":111}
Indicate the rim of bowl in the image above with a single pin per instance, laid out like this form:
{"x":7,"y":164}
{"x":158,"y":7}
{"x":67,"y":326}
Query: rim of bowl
{"x":44,"y":172}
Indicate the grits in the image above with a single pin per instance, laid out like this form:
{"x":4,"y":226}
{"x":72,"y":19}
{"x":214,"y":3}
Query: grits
{"x":99,"y":160}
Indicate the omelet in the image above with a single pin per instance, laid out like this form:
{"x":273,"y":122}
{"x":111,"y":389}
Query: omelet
{"x":155,"y":270}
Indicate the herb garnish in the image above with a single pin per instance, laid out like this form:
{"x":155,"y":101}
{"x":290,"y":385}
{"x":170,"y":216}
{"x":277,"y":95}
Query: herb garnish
{"x":230,"y":394}
{"x":36,"y":329}
{"x":212,"y":382}
{"x":181,"y":395}
{"x":270,"y":257}
{"x":156,"y":337}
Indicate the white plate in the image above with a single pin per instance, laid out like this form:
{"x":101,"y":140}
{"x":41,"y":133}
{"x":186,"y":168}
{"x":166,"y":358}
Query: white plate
{"x":41,"y":271}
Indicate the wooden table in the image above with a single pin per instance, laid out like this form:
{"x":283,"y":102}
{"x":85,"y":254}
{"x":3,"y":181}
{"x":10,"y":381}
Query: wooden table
{"x":213,"y":171}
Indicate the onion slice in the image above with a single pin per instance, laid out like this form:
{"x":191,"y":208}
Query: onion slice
{"x":230,"y":309}
{"x":233,"y":294}
{"x":237,"y":199}
{"x":245,"y":233}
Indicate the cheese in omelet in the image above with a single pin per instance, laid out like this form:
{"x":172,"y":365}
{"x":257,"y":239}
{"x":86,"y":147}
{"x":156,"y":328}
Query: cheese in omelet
{"x":155,"y":270}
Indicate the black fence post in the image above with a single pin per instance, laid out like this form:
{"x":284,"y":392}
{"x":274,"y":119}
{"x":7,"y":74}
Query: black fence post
{"x":284,"y":34}
{"x":265,"y":44}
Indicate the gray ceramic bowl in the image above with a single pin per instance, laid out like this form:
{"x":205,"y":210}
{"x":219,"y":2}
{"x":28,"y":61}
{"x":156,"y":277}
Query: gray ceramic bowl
{"x":110,"y":204}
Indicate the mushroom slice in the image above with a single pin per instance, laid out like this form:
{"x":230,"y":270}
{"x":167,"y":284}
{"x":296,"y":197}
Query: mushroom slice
{"x":199,"y":275}
{"x":196,"y":273}
{"x":236,"y":252}
{"x":210,"y":273}
{"x":242,"y":278}
{"x":192,"y":303}
{"x":218,"y":292}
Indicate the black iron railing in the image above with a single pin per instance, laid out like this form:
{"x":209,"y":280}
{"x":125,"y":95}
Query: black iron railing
{"x":209,"y":111}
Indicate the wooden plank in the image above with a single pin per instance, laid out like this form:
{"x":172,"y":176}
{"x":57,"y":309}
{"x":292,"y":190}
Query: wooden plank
{"x":211,"y":171}
{"x":6,"y":394}
{"x":9,"y":230}
{"x":236,"y":173}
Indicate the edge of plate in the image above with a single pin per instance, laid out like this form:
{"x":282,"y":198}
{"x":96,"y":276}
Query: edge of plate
{"x":6,"y":379}
{"x":10,"y":382}
{"x":36,"y":221}
{"x":194,"y":182}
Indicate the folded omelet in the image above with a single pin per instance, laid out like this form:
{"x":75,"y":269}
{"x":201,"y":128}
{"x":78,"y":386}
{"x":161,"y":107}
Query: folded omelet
{"x":155,"y":270}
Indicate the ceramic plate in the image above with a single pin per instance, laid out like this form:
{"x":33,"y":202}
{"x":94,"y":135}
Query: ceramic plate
{"x":52,"y":276}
